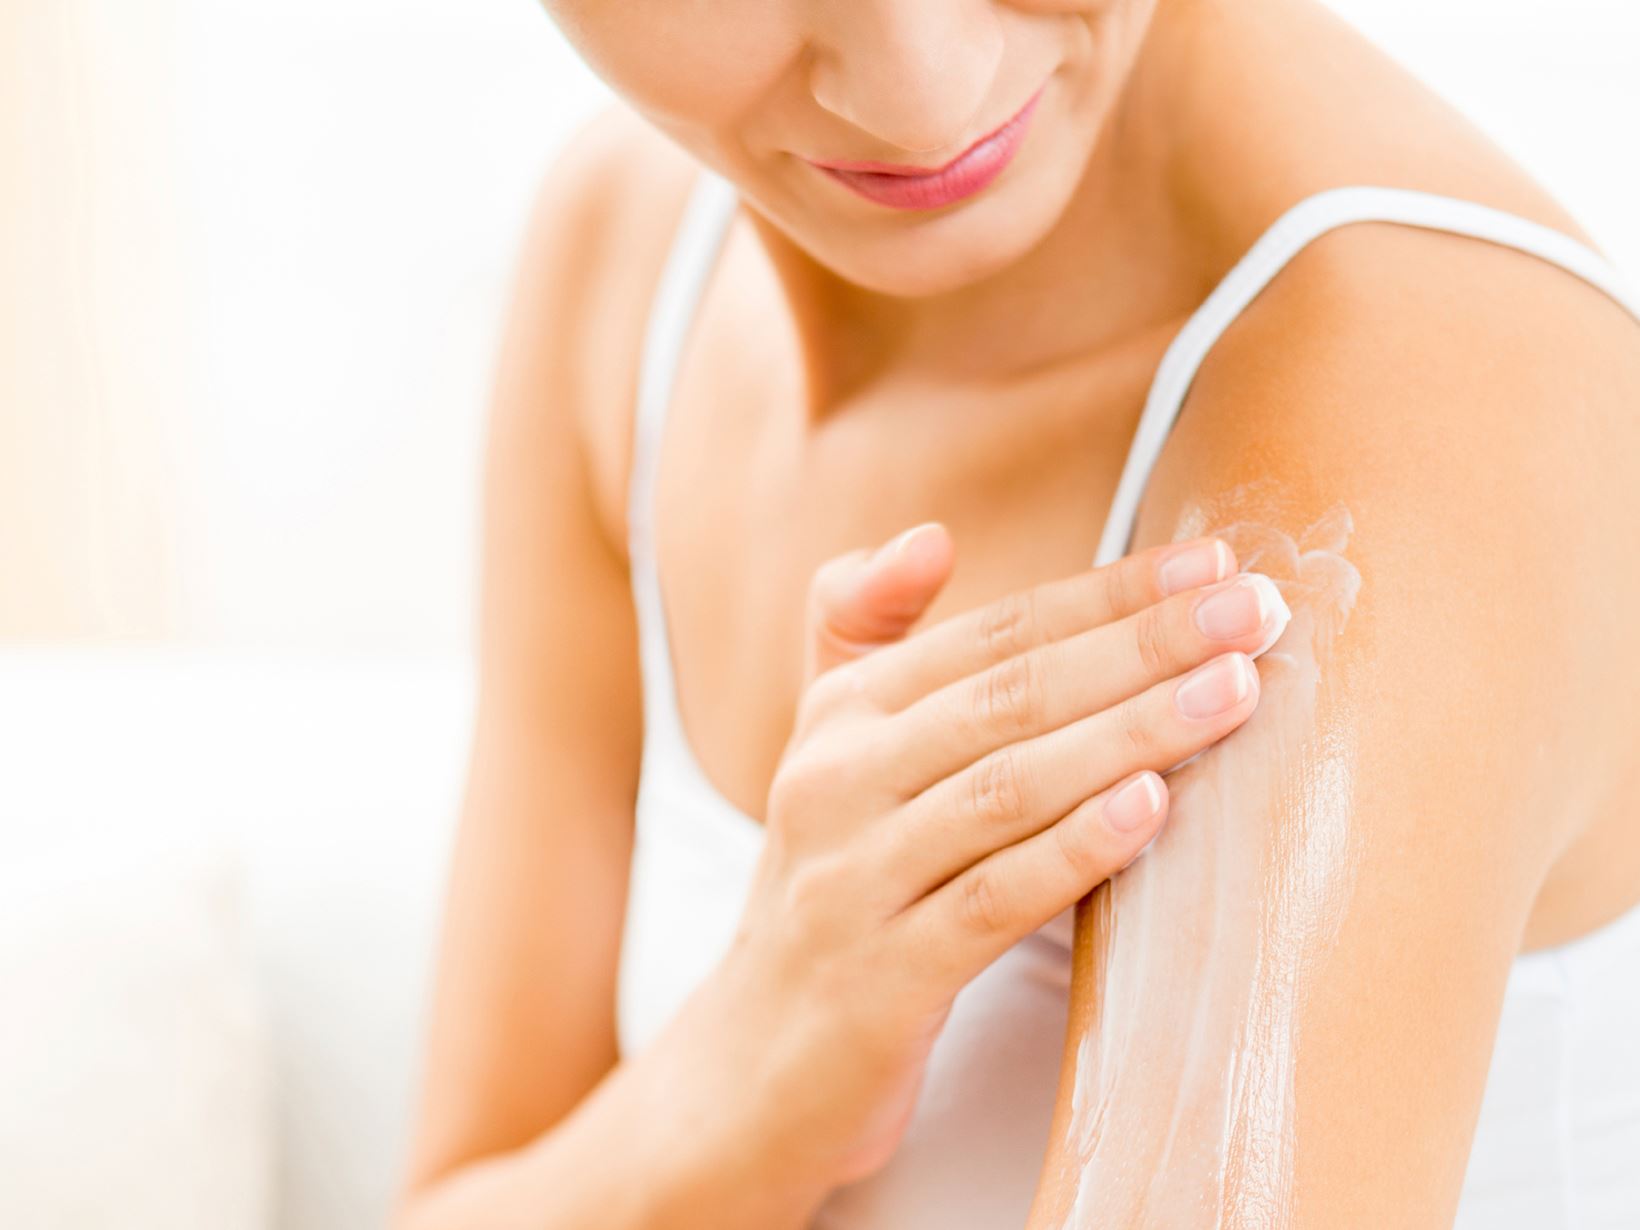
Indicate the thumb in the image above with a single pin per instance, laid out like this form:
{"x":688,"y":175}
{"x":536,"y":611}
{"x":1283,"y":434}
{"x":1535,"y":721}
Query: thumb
{"x":864,"y":599}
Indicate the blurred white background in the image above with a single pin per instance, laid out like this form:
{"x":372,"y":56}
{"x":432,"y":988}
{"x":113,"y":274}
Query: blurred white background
{"x":252,"y":264}
{"x":255,"y":256}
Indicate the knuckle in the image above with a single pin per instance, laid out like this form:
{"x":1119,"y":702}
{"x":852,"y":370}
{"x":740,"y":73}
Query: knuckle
{"x":798,"y":781}
{"x":997,"y":787}
{"x":811,"y":710}
{"x":821,"y":698}
{"x":1152,"y":642}
{"x":843,"y":691}
{"x":1081,"y":857}
{"x":982,"y":905}
{"x":1009,"y":695}
{"x":829,"y":772}
{"x":849,"y":767}
{"x":1123,"y":588}
{"x":810,"y":885}
{"x":1137,"y":732}
{"x":1006,"y":626}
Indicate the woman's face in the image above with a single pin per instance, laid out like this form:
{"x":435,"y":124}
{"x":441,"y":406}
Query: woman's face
{"x":766,"y":90}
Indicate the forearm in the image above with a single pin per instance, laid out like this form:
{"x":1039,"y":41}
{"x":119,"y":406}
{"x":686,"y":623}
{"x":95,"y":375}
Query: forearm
{"x":630,"y":1156}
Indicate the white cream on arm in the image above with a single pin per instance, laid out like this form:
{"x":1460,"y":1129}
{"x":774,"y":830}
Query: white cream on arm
{"x":1182,"y":1111}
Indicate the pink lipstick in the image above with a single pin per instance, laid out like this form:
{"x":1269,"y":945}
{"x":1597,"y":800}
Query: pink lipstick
{"x":902,"y":186}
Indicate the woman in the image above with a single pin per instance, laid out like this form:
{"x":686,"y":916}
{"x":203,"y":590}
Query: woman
{"x":905,"y":262}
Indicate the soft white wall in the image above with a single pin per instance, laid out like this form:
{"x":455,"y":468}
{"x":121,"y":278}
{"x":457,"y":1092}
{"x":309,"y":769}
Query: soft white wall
{"x":359,"y":176}
{"x":1555,"y":82}
{"x":252,"y":260}
{"x":358,"y":179}
{"x":94,"y":353}
{"x":249,"y":411}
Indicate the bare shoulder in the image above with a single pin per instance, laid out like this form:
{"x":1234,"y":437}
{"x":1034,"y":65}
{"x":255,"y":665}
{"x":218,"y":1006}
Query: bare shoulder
{"x":1430,"y":443}
{"x":1274,"y":101}
{"x":1471,"y":410}
{"x":1417,"y":435}
{"x":598,"y":236}
{"x":1474,"y":404}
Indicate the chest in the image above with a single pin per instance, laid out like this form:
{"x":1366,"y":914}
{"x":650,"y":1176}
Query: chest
{"x":752,"y":495}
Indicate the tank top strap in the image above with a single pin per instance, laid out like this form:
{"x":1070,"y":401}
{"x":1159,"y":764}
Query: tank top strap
{"x":697,"y":240}
{"x":689,"y":263}
{"x":1306,"y":221}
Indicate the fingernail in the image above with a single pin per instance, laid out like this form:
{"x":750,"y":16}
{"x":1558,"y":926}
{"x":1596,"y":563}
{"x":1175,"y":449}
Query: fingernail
{"x":1250,"y":602}
{"x":1215,"y":688}
{"x":1135,"y":804}
{"x":900,"y":544}
{"x":1201,"y":564}
{"x":1279,"y":614}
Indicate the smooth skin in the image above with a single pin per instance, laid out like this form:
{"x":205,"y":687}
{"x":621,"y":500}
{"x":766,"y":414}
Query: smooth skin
{"x":854,"y":372}
{"x":940,"y":800}
{"x":943,"y":794}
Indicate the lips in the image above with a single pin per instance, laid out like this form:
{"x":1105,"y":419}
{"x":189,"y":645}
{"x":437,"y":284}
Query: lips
{"x":901,"y":186}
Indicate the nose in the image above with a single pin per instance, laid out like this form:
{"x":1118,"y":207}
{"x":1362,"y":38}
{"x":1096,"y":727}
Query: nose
{"x":913,"y":73}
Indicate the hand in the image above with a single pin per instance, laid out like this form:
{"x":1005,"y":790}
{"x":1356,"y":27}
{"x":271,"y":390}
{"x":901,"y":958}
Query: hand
{"x":943,"y":795}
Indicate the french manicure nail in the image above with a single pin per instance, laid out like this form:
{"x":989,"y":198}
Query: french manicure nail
{"x":1201,"y":564}
{"x":1134,"y":804}
{"x":1249,"y":602}
{"x":1215,"y":688}
{"x":900,"y":544}
{"x":1275,"y":609}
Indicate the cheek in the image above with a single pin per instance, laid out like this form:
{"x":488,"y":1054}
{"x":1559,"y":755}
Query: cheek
{"x":709,"y":66}
{"x":687,"y":66}
{"x":1125,"y":12}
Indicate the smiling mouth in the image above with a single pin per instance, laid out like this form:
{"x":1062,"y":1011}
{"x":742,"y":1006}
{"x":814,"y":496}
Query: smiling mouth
{"x":902,"y":186}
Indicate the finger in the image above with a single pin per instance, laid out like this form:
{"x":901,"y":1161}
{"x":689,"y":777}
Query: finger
{"x":1022,"y":789}
{"x":1065,"y":680}
{"x":863,"y":600}
{"x":973,"y":640}
{"x":976,"y":916}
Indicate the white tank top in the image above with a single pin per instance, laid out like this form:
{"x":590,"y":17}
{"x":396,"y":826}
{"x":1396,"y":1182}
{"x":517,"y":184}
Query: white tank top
{"x":1558,"y":1142}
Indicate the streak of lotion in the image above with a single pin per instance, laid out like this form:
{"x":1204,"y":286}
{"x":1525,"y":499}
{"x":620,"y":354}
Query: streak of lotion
{"x":1182,"y":1107}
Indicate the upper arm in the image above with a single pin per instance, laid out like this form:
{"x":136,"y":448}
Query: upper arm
{"x":522,"y":1017}
{"x":1283,"y":1014}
